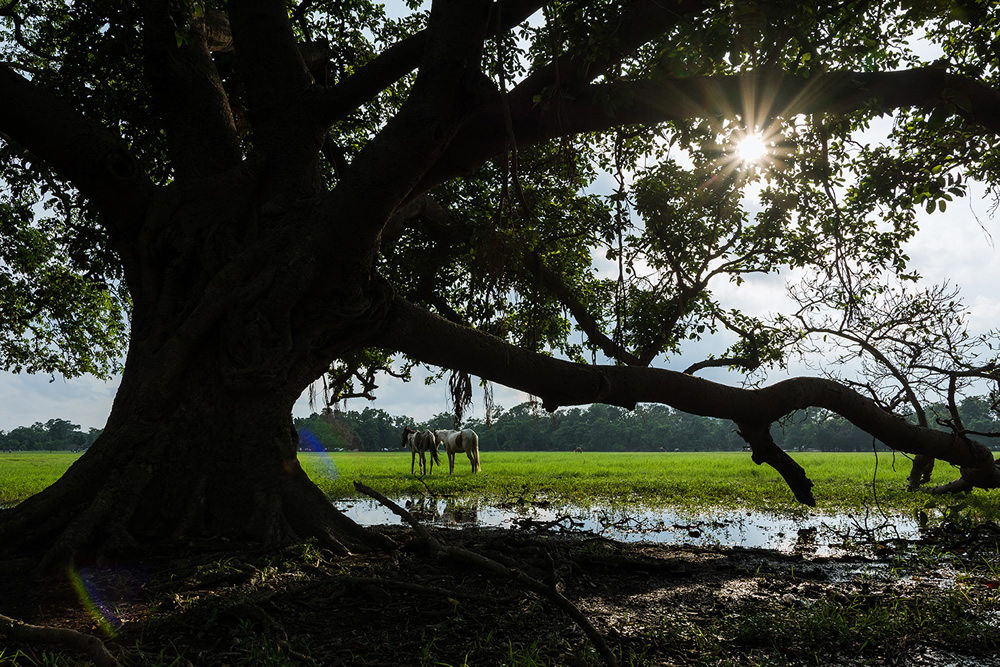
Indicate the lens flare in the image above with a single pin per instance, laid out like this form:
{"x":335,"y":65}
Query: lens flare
{"x":104,"y":592}
{"x":318,"y":464}
{"x":752,"y":148}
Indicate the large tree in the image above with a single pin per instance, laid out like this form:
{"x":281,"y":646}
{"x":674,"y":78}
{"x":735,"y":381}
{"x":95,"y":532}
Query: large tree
{"x":250,"y":191}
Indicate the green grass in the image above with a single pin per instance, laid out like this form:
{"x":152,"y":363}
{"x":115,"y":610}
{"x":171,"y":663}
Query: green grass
{"x":24,"y":474}
{"x":726,"y":479}
{"x":721,"y":479}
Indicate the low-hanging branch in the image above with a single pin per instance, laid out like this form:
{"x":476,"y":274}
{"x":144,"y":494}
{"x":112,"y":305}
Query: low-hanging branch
{"x":559,"y":383}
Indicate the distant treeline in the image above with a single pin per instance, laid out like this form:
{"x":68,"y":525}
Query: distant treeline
{"x":648,"y":428}
{"x":527,"y":427}
{"x":53,"y":434}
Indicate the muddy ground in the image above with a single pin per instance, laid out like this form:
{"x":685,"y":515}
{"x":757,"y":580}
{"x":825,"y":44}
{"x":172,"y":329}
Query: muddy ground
{"x":895,"y":604}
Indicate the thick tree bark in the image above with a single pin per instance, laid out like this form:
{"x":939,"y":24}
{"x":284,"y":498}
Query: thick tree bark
{"x":247,"y":280}
{"x":196,"y":460}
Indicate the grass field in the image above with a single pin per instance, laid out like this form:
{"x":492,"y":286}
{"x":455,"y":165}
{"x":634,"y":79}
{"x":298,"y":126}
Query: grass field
{"x":23,"y":474}
{"x":691,"y":479}
{"x":722,"y":479}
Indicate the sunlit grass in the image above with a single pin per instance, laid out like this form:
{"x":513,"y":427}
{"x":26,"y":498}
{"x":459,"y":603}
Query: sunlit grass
{"x":24,"y":474}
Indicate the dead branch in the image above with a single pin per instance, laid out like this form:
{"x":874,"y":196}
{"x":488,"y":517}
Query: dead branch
{"x":37,"y":634}
{"x":491,"y":565}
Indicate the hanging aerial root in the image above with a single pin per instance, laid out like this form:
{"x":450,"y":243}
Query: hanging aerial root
{"x":37,"y":634}
{"x":758,"y":436}
{"x":518,"y":575}
{"x":460,"y":388}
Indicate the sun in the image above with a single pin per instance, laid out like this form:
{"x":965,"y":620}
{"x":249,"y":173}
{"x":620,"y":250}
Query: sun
{"x":752,"y":149}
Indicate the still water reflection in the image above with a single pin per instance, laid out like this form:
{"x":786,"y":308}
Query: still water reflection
{"x":815,"y":531}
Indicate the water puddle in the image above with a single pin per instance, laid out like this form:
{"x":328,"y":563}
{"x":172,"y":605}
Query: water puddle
{"x":816,"y":532}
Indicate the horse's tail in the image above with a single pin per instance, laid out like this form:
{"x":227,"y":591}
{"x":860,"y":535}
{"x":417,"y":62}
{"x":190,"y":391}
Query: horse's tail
{"x":434,"y":450}
{"x":474,"y":449}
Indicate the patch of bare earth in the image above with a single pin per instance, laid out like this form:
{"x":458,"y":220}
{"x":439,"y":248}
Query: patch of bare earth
{"x":655,"y":605}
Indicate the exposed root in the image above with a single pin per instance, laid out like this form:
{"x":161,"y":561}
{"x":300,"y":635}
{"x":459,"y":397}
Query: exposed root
{"x":77,"y":641}
{"x":511,"y":571}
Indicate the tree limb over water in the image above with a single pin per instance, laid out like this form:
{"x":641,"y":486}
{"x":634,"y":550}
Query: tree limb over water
{"x":559,"y":383}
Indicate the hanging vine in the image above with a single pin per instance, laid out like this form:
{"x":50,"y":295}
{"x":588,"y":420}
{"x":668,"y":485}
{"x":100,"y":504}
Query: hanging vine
{"x":460,"y":389}
{"x":620,"y":197}
{"x":488,"y":403}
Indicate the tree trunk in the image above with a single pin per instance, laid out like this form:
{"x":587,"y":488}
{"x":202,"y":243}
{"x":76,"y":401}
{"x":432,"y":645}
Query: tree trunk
{"x":184,"y":462}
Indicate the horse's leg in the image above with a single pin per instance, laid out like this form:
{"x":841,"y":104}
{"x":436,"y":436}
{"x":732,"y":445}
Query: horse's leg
{"x":451,"y":462}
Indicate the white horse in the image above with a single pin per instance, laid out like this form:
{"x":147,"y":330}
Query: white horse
{"x":420,"y":442}
{"x":465,"y":440}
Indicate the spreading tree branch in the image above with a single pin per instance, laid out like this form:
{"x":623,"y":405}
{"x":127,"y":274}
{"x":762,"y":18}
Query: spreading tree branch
{"x":343,"y":98}
{"x":557,"y":382}
{"x":277,"y":84}
{"x":94,"y":160}
{"x":602,"y":106}
{"x":200,"y":130}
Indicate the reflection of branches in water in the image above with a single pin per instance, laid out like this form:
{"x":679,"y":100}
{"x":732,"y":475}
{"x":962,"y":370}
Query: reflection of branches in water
{"x":646,"y":525}
{"x":520,"y":500}
{"x":565,"y":524}
{"x":630,"y":524}
{"x":864,"y":531}
{"x":424,"y":507}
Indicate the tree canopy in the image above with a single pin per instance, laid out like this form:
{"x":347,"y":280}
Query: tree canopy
{"x":260,"y":194}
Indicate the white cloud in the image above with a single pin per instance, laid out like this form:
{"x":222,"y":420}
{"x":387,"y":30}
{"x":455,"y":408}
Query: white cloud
{"x":27,"y":399}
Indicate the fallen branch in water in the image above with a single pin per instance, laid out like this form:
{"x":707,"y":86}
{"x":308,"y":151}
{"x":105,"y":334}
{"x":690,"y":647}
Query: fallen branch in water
{"x":514,"y":573}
